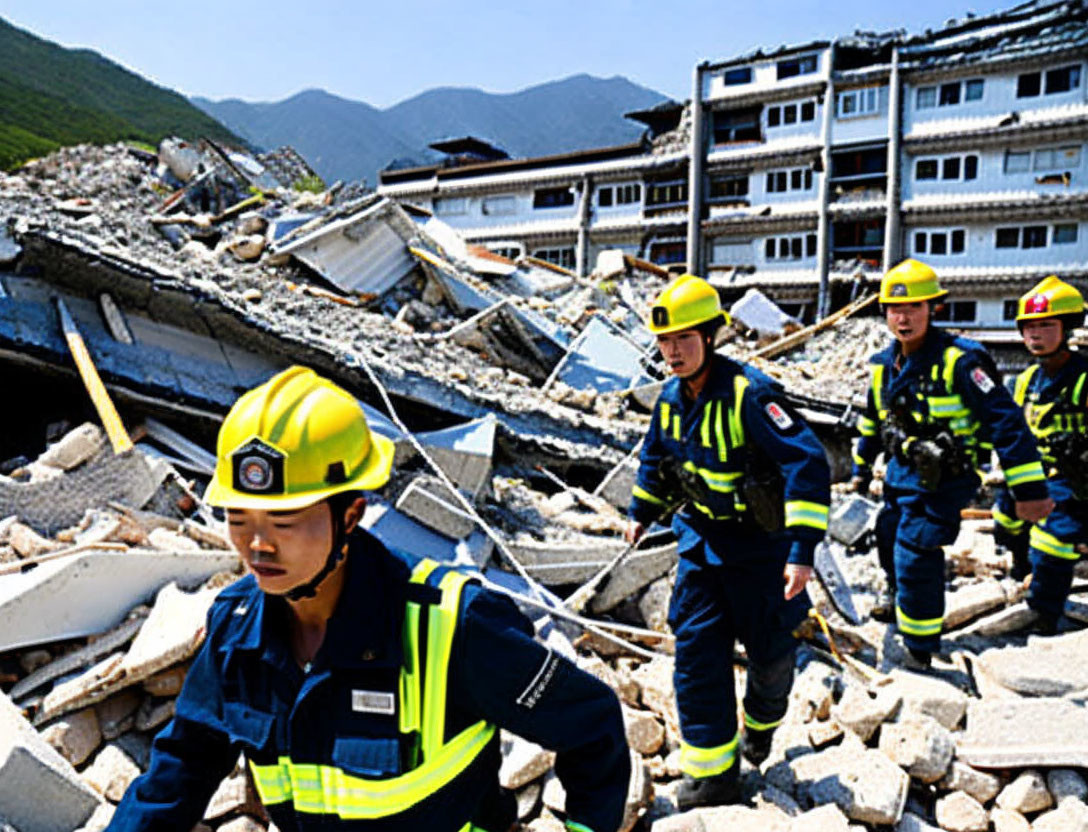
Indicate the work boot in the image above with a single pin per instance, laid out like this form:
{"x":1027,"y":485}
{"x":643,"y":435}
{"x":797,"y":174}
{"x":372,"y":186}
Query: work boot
{"x":719,"y":790}
{"x":1045,"y":624}
{"x":757,"y":746}
{"x":884,"y":608}
{"x":919,"y":659}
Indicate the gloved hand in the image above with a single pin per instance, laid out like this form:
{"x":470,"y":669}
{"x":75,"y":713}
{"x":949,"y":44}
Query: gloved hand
{"x":860,"y":483}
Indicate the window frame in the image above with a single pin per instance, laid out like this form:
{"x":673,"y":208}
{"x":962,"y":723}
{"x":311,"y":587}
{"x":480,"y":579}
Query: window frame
{"x":730,"y":76}
{"x":1075,"y":226}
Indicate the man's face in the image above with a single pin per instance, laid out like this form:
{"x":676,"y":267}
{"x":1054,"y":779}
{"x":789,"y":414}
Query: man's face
{"x":1042,"y":337}
{"x":283,"y":549}
{"x":908,"y":322}
{"x":683,"y":351}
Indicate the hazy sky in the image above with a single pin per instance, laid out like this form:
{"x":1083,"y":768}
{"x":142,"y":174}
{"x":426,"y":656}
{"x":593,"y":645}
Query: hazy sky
{"x":383,"y":52}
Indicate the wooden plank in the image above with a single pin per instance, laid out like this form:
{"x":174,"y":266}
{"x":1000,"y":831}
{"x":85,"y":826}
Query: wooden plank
{"x":790,"y":341}
{"x":111,"y":419}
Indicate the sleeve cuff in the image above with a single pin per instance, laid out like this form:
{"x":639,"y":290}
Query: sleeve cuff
{"x":802,"y":552}
{"x":1034,"y":490}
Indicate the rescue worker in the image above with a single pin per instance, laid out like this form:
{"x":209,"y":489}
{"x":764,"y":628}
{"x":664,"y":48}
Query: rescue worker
{"x":935,"y":408}
{"x":720,"y":433}
{"x":1054,"y":395}
{"x":365,"y":691}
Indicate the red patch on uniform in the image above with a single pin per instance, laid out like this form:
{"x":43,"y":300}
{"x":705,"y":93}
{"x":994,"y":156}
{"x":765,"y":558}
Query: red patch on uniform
{"x":778,"y":415}
{"x":982,"y":381}
{"x":1037,"y":305}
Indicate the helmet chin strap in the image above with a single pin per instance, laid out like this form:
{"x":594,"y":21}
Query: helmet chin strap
{"x":336,"y":554}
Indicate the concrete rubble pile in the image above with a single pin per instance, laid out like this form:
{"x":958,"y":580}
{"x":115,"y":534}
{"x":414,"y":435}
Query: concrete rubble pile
{"x":520,"y":392}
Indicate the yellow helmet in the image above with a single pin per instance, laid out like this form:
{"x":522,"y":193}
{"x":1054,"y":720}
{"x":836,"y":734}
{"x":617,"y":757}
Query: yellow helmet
{"x":909,"y":282}
{"x":685,"y":303}
{"x":1050,"y":298}
{"x":294,"y":441}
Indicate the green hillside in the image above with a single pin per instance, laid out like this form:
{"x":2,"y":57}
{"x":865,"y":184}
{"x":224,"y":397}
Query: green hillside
{"x":51,"y":96}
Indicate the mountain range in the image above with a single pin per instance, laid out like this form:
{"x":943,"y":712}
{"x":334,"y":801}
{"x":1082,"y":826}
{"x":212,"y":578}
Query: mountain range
{"x":349,"y":140}
{"x":51,"y":96}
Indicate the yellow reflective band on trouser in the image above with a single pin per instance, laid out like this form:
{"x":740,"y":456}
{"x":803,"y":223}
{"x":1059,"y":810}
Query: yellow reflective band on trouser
{"x":917,"y":626}
{"x":1029,"y":472}
{"x":756,"y":725}
{"x":319,"y":789}
{"x":1047,"y":543}
{"x":866,"y":426}
{"x":804,"y":513}
{"x":643,"y":494}
{"x":706,"y":762}
{"x":1012,"y":524}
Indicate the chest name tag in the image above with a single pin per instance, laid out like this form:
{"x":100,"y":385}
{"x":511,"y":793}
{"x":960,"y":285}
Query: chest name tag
{"x":778,"y":415}
{"x":373,"y":702}
{"x":982,"y":381}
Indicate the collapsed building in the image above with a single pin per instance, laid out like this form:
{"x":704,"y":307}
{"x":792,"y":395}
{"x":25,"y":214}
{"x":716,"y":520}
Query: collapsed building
{"x":807,"y":170}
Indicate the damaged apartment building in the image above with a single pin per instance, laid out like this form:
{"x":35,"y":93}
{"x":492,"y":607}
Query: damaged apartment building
{"x":807,"y":170}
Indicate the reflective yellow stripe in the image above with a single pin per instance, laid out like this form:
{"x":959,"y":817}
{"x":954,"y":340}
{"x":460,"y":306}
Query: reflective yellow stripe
{"x":676,"y":426}
{"x":1047,"y":543}
{"x":876,"y":384}
{"x":665,"y":417}
{"x":724,"y":481}
{"x":866,"y":426}
{"x":642,"y":494}
{"x":1028,"y":472}
{"x":441,"y":623}
{"x":756,"y":725}
{"x":1013,"y":524}
{"x":1078,"y":388}
{"x":719,"y":433}
{"x":704,"y":428}
{"x":1023,"y":381}
{"x":736,"y":425}
{"x":951,"y":356}
{"x":706,"y":762}
{"x":917,"y":626}
{"x":805,"y":513}
{"x":319,"y":789}
{"x":946,"y":407}
{"x":859,"y":460}
{"x":577,"y":827}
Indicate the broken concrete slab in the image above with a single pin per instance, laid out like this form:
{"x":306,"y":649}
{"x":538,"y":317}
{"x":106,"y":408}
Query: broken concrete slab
{"x":640,"y":569}
{"x":1026,"y":794}
{"x":821,"y":819}
{"x":463,"y":452}
{"x":1008,"y":620}
{"x":1066,"y":784}
{"x":1005,"y":820}
{"x":401,"y":533}
{"x":920,"y":745}
{"x":969,"y":602}
{"x":31,"y":768}
{"x":522,"y":761}
{"x":1012,"y":733}
{"x":866,"y":785}
{"x":863,"y":713}
{"x":930,"y":696}
{"x":172,"y":633}
{"x":90,"y":592}
{"x":756,"y":311}
{"x":981,"y":786}
{"x":603,"y":359}
{"x":1071,"y":816}
{"x":1050,"y":666}
{"x":428,"y":501}
{"x":76,"y":736}
{"x":111,"y":773}
{"x":959,"y":812}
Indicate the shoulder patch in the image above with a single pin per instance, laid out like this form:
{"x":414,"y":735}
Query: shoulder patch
{"x":778,"y":416}
{"x":982,"y":380}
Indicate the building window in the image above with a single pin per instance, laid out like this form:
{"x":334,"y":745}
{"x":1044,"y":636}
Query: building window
{"x":970,"y":167}
{"x":732,"y":251}
{"x":958,"y":311}
{"x":784,"y":114}
{"x":1009,"y":310}
{"x":1033,"y":236}
{"x":972,"y":90}
{"x":497,"y":206}
{"x":1007,"y":238}
{"x":796,"y":66}
{"x":604,"y":197}
{"x":448,"y":206}
{"x":728,"y":187}
{"x":950,"y":168}
{"x":737,"y":126}
{"x":1057,"y":158}
{"x":950,"y":94}
{"x":610,"y":195}
{"x":666,"y":193}
{"x":1028,"y":85}
{"x":1017,"y":161}
{"x":1062,"y":80}
{"x":860,"y":102}
{"x":1065,"y":233}
{"x":925,"y":169}
{"x":664,"y":254}
{"x":925,"y":98}
{"x":790,"y":248}
{"x":940,"y":242}
{"x":799,"y":179}
{"x":741,"y":75}
{"x":562,"y":257}
{"x":553,"y":197}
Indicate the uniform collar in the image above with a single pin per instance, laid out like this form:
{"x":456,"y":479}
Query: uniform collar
{"x":364,"y":630}
{"x":932,"y":347}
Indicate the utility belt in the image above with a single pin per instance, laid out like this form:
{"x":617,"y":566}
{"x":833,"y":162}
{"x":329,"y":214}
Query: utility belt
{"x":752,"y":497}
{"x":932,"y":451}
